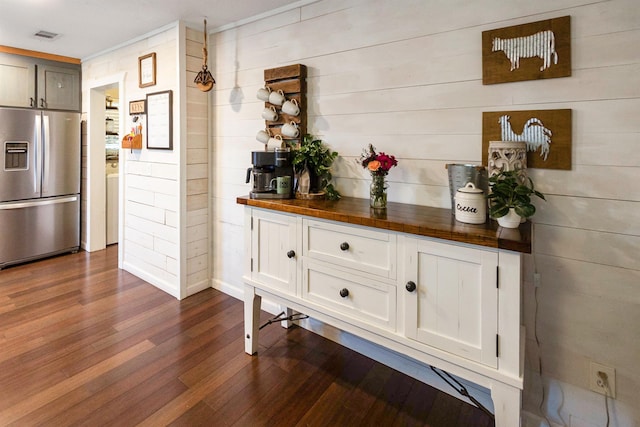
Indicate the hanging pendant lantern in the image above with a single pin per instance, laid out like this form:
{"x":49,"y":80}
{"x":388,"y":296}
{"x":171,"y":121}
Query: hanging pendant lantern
{"x":204,"y":80}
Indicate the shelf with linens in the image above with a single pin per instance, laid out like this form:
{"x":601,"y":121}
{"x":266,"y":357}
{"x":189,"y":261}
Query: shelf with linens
{"x":112,"y":126}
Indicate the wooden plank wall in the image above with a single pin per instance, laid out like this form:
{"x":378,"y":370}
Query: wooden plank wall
{"x":407,"y":77}
{"x":197,"y":164}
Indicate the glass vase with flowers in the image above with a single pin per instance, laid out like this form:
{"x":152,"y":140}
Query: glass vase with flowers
{"x":378,"y":164}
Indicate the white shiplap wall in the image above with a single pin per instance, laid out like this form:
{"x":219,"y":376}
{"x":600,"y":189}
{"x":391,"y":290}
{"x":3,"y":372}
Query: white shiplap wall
{"x":151,"y":180}
{"x":407,"y":77}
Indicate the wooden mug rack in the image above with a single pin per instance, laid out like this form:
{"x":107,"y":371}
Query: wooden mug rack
{"x":292,"y":80}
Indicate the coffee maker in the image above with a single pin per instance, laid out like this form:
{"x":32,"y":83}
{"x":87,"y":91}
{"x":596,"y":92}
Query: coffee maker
{"x":272,"y":174}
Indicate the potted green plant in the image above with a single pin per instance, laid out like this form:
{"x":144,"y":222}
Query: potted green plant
{"x":312,"y":162}
{"x":510,"y":198}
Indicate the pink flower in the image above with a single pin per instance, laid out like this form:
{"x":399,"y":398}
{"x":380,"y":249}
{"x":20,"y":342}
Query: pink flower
{"x":386,"y":161}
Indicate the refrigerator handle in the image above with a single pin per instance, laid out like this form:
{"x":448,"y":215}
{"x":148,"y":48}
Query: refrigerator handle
{"x":37,"y":143}
{"x":45,"y":153}
{"x":39,"y":202}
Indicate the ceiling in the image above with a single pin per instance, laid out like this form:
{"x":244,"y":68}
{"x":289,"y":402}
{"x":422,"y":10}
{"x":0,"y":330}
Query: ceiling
{"x":88,"y":27}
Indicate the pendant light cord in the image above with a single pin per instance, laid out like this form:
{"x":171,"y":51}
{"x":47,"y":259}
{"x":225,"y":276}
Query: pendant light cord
{"x":204,"y":47}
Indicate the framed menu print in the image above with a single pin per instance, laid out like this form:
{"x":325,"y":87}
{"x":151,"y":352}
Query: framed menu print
{"x":160,"y":120}
{"x":147,"y":70}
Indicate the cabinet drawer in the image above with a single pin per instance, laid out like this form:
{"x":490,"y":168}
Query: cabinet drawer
{"x":363,"y":299}
{"x":361,"y":249}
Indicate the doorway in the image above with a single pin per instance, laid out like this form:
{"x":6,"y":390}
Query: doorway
{"x":103,"y":162}
{"x":112,"y":162}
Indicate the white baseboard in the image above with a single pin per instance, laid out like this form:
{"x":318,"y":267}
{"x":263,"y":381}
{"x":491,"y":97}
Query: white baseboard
{"x":233,"y":291}
{"x":152,"y":280}
{"x":197,"y":287}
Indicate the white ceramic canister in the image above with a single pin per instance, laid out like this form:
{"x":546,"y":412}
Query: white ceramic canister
{"x":470,"y":206}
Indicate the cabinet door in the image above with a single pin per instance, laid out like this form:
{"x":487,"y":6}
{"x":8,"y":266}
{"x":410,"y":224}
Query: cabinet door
{"x":454,"y":306}
{"x":274,"y":252}
{"x":17,"y":81}
{"x":58,"y":88}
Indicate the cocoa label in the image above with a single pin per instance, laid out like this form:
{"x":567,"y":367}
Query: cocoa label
{"x":470,"y":209}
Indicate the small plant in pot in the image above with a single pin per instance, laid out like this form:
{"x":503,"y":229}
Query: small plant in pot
{"x":312,"y":162}
{"x":510,"y":198}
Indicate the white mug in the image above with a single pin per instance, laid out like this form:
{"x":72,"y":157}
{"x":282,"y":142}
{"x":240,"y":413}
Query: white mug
{"x":263,"y":93}
{"x":276,"y":98}
{"x":291,"y":107}
{"x":263,"y":136}
{"x":270,"y":113}
{"x":275,"y":141}
{"x":290,"y":129}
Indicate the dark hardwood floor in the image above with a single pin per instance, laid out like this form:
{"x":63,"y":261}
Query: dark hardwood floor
{"x":83,"y":343}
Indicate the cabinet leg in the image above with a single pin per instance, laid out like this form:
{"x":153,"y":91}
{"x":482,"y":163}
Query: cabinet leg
{"x":287,"y":312}
{"x":507,"y":403}
{"x":252,"y":304}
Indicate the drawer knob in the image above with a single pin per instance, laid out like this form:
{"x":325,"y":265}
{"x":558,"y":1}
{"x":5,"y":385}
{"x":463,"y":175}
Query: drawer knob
{"x":291,"y":253}
{"x":344,"y":292}
{"x":411,"y":286}
{"x":344,"y":246}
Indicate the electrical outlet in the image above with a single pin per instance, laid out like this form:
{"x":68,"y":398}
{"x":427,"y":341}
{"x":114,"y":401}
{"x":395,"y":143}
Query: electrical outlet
{"x":602,"y":379}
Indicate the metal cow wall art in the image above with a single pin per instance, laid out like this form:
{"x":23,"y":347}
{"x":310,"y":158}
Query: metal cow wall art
{"x":541,"y":44}
{"x":538,"y":50}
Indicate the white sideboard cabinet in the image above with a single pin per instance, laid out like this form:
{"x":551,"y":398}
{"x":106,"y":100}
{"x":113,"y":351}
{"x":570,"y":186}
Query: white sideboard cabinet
{"x":414,"y":281}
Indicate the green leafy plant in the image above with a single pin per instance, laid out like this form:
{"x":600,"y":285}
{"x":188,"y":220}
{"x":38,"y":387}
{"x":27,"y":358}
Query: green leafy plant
{"x":317,"y":158}
{"x":507,"y":191}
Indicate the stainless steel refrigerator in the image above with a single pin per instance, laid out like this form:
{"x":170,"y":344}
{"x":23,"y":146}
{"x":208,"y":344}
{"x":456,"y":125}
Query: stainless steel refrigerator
{"x":39,"y":184}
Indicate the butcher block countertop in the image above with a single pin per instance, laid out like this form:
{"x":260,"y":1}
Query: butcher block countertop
{"x":404,"y":218}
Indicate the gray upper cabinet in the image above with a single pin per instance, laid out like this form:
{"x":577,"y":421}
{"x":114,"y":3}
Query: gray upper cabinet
{"x":35,"y":83}
{"x":17,"y":81}
{"x":58,"y":88}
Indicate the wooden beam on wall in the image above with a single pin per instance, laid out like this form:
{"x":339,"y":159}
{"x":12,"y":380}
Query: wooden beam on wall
{"x":36,"y":54}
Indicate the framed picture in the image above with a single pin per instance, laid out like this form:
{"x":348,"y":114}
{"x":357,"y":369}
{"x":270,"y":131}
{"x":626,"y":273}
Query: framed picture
{"x":147,"y":70}
{"x":160,"y":120}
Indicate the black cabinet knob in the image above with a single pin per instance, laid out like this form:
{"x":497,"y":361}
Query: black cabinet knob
{"x":344,"y":292}
{"x":291,"y":253}
{"x":344,"y":246}
{"x":410,"y":286}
